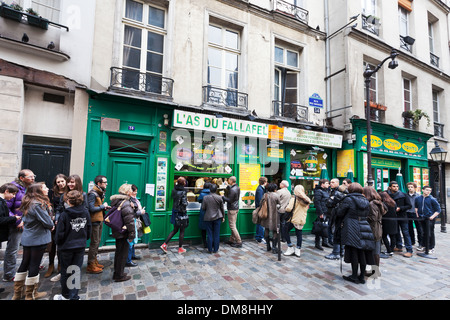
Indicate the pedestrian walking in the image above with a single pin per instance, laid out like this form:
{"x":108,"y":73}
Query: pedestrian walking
{"x":402,"y":220}
{"x":72,"y":232}
{"x":321,"y":195}
{"x":178,"y":213}
{"x":295,"y":214}
{"x":37,"y":224}
{"x":139,"y":213}
{"x":427,"y":208}
{"x":388,"y":225}
{"x":7,"y":192}
{"x":336,"y":197}
{"x":259,"y":194}
{"x":124,"y":239}
{"x":24,"y":179}
{"x":214,"y":215}
{"x":232,"y":200}
{"x":54,"y":195}
{"x":357,"y":236}
{"x":412,"y":194}
{"x":201,"y":222}
{"x":97,"y":207}
{"x":376,"y":212}
{"x":272,"y":221}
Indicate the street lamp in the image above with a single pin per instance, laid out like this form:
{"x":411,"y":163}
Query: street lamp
{"x":367,"y":74}
{"x":438,"y":155}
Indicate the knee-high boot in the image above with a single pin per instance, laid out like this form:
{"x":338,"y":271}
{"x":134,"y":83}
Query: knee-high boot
{"x":31,"y":286}
{"x":19,"y":283}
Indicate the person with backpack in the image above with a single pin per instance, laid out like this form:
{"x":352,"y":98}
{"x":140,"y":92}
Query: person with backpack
{"x":296,"y":212}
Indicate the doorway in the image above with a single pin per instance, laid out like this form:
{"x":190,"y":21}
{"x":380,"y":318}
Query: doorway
{"x":383,"y":176}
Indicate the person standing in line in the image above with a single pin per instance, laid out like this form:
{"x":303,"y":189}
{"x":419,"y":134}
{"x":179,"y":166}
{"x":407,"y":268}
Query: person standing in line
{"x":7,"y":192}
{"x":180,"y":203}
{"x":24,"y":179}
{"x":97,"y":207}
{"x":321,"y":194}
{"x":285,"y":196}
{"x":272,"y":221}
{"x":54,"y":194}
{"x":72,"y":232}
{"x":357,"y":236}
{"x":139,"y":211}
{"x":428,"y":208}
{"x":412,"y":194}
{"x":388,"y":225}
{"x":333,"y":202}
{"x":259,"y":194}
{"x":376,"y":212}
{"x":125,"y":239}
{"x":232,"y":200}
{"x":402,"y":206}
{"x":334,"y":186}
{"x":37,"y":226}
{"x":296,"y":212}
{"x":201,"y":223}
{"x":214,"y":215}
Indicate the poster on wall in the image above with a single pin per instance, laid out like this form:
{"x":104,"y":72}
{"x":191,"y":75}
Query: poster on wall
{"x":161,"y":184}
{"x":249,"y":174}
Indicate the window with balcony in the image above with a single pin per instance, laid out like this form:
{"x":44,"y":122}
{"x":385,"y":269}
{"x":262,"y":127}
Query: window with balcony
{"x":407,"y":103}
{"x":438,"y":126}
{"x":370,"y":21}
{"x":434,"y":59}
{"x":224,"y":54}
{"x":406,"y":41}
{"x":292,"y":8}
{"x":144,"y":32}
{"x":377,"y":111}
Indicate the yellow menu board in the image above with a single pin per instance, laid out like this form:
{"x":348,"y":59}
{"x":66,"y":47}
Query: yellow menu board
{"x":249,"y":174}
{"x":345,"y":161}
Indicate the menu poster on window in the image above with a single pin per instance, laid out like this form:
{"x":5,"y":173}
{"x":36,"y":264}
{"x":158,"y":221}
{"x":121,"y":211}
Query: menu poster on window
{"x":161,"y":184}
{"x":249,"y":175}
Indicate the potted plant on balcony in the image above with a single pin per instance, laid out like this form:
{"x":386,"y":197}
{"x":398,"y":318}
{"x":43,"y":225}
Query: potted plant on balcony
{"x":416,"y":116}
{"x":11,"y":11}
{"x":34,"y":19}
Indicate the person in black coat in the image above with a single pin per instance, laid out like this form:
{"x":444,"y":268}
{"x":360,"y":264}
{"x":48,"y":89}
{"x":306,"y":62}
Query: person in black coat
{"x":321,"y":195}
{"x":389,"y":225}
{"x":357,"y":236}
{"x":333,"y":203}
{"x":259,"y":194}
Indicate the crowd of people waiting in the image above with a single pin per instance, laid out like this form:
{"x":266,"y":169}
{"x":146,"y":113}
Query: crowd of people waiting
{"x":60,"y":221}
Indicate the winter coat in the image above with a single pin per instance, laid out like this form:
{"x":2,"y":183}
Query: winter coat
{"x":73,"y":228}
{"x":298,"y":205}
{"x":389,"y":221}
{"x":333,"y":202}
{"x":14,"y":203}
{"x":320,"y":200}
{"x":201,"y":222}
{"x":427,"y":206}
{"x":273,"y":219}
{"x":213,"y":206}
{"x":402,"y":202}
{"x":232,"y":199}
{"x":179,"y":199}
{"x":6,"y":220}
{"x":356,"y":231}
{"x":95,"y":204}
{"x":285,"y":196}
{"x":128,"y":213}
{"x":37,"y":224}
{"x":259,"y":194}
{"x":377,"y":210}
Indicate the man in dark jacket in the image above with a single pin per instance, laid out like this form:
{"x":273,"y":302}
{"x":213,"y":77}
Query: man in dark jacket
{"x":259,"y":194}
{"x":321,"y":195}
{"x":403,"y":205}
{"x":232,"y":200}
{"x":427,"y":208}
{"x":337,"y":194}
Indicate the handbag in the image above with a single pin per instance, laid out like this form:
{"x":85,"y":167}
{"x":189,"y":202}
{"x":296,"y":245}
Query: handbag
{"x":114,"y":219}
{"x":182,"y":220}
{"x":320,"y":228}
{"x":262,"y":212}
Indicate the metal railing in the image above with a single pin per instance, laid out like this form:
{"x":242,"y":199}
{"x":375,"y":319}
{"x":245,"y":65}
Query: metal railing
{"x":408,"y":123}
{"x":438,"y":130}
{"x":377,"y":115}
{"x":370,"y":24}
{"x":404,"y":45}
{"x":290,"y":110}
{"x":292,"y":10}
{"x":224,"y":97}
{"x":434,"y":60}
{"x":143,"y":82}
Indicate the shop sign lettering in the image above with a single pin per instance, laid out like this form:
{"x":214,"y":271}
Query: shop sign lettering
{"x":392,"y":144}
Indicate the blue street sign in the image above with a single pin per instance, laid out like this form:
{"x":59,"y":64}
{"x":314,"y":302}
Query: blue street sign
{"x":316,"y":101}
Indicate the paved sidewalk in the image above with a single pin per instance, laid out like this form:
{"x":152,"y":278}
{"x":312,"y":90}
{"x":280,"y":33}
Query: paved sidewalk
{"x":252,"y":273}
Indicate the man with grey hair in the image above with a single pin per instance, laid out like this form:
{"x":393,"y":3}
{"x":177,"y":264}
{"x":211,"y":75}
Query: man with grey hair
{"x":285,"y":196}
{"x":232,"y":200}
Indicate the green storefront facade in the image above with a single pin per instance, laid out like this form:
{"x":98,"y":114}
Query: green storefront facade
{"x":151,"y":144}
{"x":394,"y":150}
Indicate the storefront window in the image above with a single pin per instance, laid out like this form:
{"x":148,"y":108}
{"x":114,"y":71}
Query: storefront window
{"x":306,"y":167}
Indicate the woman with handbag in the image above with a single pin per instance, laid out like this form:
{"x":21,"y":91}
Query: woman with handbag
{"x":297,"y":211}
{"x":179,"y":219}
{"x":269,"y":218}
{"x":356,"y":234}
{"x":212,"y":204}
{"x":125,"y":238}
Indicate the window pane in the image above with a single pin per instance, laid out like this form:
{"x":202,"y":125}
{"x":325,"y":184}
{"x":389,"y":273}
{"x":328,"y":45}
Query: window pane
{"x":291,"y":80}
{"x":133,"y":10}
{"x":215,"y":35}
{"x":231,"y":39}
{"x":279,"y":55}
{"x":214,"y":76}
{"x":132,"y":36}
{"x":156,"y":17}
{"x":131,"y":57}
{"x":154,"y":62}
{"x":155,"y":42}
{"x":292,"y":59}
{"x":406,"y":84}
{"x":231,"y":61}
{"x":232,"y":79}
{"x":214,"y":57}
{"x":130,"y":79}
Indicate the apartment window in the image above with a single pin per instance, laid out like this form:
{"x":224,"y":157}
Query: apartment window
{"x":434,"y":59}
{"x":373,"y":95}
{"x":438,"y":126}
{"x":403,"y":21}
{"x":143,"y":46}
{"x":407,"y":97}
{"x":48,"y":9}
{"x":369,"y":7}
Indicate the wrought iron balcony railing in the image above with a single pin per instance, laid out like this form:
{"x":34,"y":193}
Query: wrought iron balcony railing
{"x":408,"y":123}
{"x":290,"y":110}
{"x":122,"y":78}
{"x":438,"y":130}
{"x":292,"y":10}
{"x":377,"y":115}
{"x":370,"y":24}
{"x":224,"y":97}
{"x":404,"y":45}
{"x":434,"y":60}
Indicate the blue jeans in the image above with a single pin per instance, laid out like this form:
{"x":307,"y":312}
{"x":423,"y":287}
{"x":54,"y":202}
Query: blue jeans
{"x":403,"y":227}
{"x":213,"y":234}
{"x":259,"y":235}
{"x":71,"y":258}
{"x":131,"y":254}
